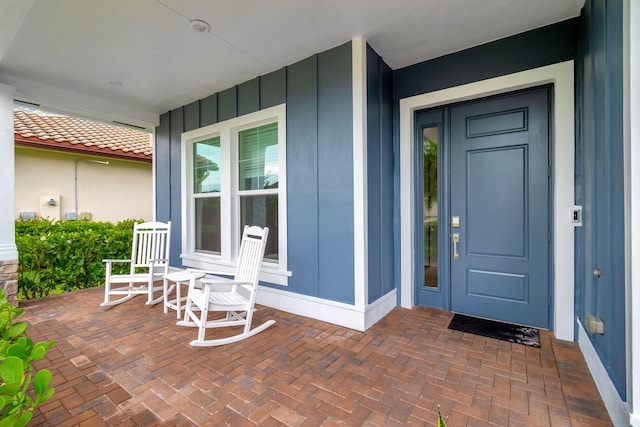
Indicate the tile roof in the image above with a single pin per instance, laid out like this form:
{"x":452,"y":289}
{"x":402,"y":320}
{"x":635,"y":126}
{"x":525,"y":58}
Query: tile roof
{"x":46,"y":130}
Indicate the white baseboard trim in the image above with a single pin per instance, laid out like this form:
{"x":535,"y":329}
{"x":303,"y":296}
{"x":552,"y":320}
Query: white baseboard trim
{"x":380,"y":308}
{"x":8,"y":252}
{"x":618,"y":409}
{"x":354,"y":317}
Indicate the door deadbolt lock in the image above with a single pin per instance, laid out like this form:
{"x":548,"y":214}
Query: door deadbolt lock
{"x":455,"y":237}
{"x":597,"y":272}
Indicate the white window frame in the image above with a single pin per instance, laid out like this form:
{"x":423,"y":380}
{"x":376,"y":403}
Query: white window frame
{"x":271,"y":271}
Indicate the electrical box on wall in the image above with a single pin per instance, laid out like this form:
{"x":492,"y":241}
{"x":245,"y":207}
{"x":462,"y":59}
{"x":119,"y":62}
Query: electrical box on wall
{"x":27,"y":215}
{"x":50,"y":206}
{"x":595,"y":325}
{"x":576,"y":216}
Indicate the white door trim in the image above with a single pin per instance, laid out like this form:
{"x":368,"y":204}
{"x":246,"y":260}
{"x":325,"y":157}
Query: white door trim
{"x":563,"y":142}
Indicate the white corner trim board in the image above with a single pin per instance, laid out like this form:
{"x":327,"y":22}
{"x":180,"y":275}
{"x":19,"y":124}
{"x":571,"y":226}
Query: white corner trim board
{"x":561,"y":76}
{"x":360,"y":241}
{"x":631,"y":66}
{"x":8,"y":250}
{"x":356,"y":317}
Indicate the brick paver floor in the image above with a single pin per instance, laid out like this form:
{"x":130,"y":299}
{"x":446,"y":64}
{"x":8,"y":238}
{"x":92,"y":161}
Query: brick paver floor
{"x":131,"y":365}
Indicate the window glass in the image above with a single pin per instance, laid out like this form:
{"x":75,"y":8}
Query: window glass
{"x":430,"y":207}
{"x":206,"y":166}
{"x":258,"y":158}
{"x":263,"y":211}
{"x":207,"y":216}
{"x":232,"y":179}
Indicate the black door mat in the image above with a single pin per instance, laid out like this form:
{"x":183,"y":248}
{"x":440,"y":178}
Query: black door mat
{"x":493,"y":329}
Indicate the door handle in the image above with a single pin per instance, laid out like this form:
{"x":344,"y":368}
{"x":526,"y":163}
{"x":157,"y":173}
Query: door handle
{"x":456,"y":239}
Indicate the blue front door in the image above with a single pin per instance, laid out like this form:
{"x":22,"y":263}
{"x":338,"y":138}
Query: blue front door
{"x":499,"y":208}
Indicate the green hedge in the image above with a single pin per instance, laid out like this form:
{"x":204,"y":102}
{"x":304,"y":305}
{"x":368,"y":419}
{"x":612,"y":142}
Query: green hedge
{"x":59,"y":256}
{"x":19,"y":395}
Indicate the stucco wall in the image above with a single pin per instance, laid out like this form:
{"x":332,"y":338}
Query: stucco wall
{"x":117,"y":191}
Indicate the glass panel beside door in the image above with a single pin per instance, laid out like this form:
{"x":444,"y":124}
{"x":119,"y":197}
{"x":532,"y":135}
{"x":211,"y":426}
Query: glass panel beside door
{"x":430,"y":205}
{"x":431,"y":278}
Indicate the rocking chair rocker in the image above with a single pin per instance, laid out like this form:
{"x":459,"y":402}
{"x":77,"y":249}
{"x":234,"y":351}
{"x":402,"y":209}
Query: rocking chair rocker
{"x":148,"y":264}
{"x":237,"y":299}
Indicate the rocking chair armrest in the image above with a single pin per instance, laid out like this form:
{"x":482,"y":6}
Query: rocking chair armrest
{"x":209,"y":272}
{"x":222,"y":281}
{"x":110,"y":261}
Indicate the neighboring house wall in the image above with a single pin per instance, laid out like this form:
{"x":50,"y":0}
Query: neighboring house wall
{"x":114,"y":192}
{"x":600,"y":243}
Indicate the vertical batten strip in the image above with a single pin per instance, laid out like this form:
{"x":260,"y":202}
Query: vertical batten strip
{"x":360,"y":224}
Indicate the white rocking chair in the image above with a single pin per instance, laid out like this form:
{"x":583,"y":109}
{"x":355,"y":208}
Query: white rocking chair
{"x":237,"y":297}
{"x":148,"y":264}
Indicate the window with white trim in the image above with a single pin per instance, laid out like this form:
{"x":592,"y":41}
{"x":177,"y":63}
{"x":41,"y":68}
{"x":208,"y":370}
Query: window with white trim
{"x":233,"y":174}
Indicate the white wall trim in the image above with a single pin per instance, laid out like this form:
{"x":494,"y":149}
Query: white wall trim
{"x":8,"y":250}
{"x":618,"y":410}
{"x":360,"y":227}
{"x":631,"y":59}
{"x":561,"y":75}
{"x":356,"y":317}
{"x":380,"y":308}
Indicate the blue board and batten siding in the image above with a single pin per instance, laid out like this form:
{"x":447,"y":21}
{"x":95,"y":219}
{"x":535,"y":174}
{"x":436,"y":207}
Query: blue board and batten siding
{"x":536,"y":48}
{"x":379,"y":176}
{"x":600,"y":182}
{"x":318,"y":94}
{"x":543,"y":46}
{"x":162,"y":159}
{"x":303,"y":244}
{"x":335,"y":175}
{"x":599,"y":150}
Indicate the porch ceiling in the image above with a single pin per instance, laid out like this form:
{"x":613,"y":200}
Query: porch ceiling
{"x":70,"y":55}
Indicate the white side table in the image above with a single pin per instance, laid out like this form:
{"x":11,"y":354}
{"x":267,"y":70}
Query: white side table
{"x":179,"y":278}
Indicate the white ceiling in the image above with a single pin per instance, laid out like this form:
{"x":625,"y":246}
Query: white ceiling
{"x":62,"y":53}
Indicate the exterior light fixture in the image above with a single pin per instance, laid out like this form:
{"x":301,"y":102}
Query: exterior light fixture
{"x":199,"y":26}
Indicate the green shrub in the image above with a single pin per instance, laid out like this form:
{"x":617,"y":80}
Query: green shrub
{"x":18,"y":394}
{"x":56,"y":256}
